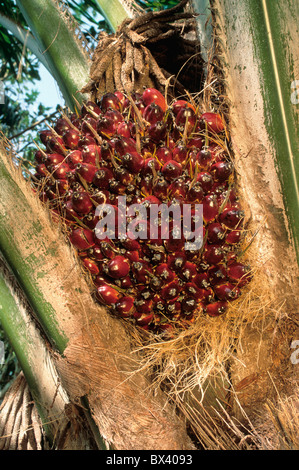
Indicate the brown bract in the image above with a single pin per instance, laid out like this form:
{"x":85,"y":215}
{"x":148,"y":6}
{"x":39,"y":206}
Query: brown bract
{"x":146,"y":52}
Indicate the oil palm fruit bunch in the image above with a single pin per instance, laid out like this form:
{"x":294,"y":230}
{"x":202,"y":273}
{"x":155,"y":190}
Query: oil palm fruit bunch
{"x":139,"y":147}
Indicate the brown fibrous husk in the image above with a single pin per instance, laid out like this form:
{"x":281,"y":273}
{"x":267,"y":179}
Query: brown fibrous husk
{"x":148,"y":51}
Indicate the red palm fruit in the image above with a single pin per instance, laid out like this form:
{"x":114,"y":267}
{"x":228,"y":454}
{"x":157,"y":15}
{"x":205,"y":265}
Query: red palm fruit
{"x":233,"y":237}
{"x":213,"y":254}
{"x":176,"y":261}
{"x":101,"y":197}
{"x":146,"y":185}
{"x":173,"y":308}
{"x":217,"y":275}
{"x":178,"y":189}
{"x":149,"y":200}
{"x":174,"y":244}
{"x":189,"y":304}
{"x":107,"y":247}
{"x":90,"y":220}
{"x":109,"y":100}
{"x":102,"y":177}
{"x":239,"y":273}
{"x":91,"y":266}
{"x":202,"y":280}
{"x":206,"y":181}
{"x":221,"y":171}
{"x":55,"y":144}
{"x":210,"y":208}
{"x":125,"y":307}
{"x":151,"y":165}
{"x":45,"y":136}
{"x":68,"y":211}
{"x":61,"y":126}
{"x":143,"y":305}
{"x":164,"y":154}
{"x":133,"y":162}
{"x":171,"y":291}
{"x":141,"y":107}
{"x":131,"y":244}
{"x":132,"y":255}
{"x":107,"y":295}
{"x":95,"y":252}
{"x":91,"y":154}
{"x":106,"y":126}
{"x":120,"y":96}
{"x":117,"y":187}
{"x":181,"y":104}
{"x":164,"y":272}
{"x":86,"y":171}
{"x":141,"y":271}
{"x":118,"y":267}
{"x":205,"y":158}
{"x":71,"y":138}
{"x":82,"y":238}
{"x":81,"y":202}
{"x":195,"y":193}
{"x":90,"y":108}
{"x":123,"y":145}
{"x":153,"y":113}
{"x":195,"y":142}
{"x":124,"y":282}
{"x":209,"y":296}
{"x":171,"y":170}
{"x":74,"y":158}
{"x":151,"y":95}
{"x":60,"y":171}
{"x":216,"y":308}
{"x":188,"y":272}
{"x":39,"y":156}
{"x":157,"y":131}
{"x":100,"y":280}
{"x":180,"y":153}
{"x":88,"y":124}
{"x":86,"y":139}
{"x":61,"y":187}
{"x":143,"y":319}
{"x":124,"y":129}
{"x":226,"y":291}
{"x":216,"y":233}
{"x":53,"y":159}
{"x":186,"y":119}
{"x":160,"y":187}
{"x":213,"y":122}
{"x":231,"y":217}
{"x":123,"y":176}
{"x":192,"y":290}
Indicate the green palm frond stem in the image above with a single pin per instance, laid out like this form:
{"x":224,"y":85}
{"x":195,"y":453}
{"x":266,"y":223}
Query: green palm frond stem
{"x":31,"y":352}
{"x":25,"y":37}
{"x":116,"y":11}
{"x":59,"y":42}
{"x":24,"y":269}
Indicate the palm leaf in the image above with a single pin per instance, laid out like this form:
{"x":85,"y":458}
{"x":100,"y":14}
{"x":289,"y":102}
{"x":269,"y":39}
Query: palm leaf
{"x":60,"y":43}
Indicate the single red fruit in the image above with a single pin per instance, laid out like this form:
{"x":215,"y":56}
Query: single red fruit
{"x":82,"y":202}
{"x":118,"y":267}
{"x":82,"y":239}
{"x":151,"y":95}
{"x":213,"y":122}
{"x":216,"y":308}
{"x":91,"y":266}
{"x":107,"y":295}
